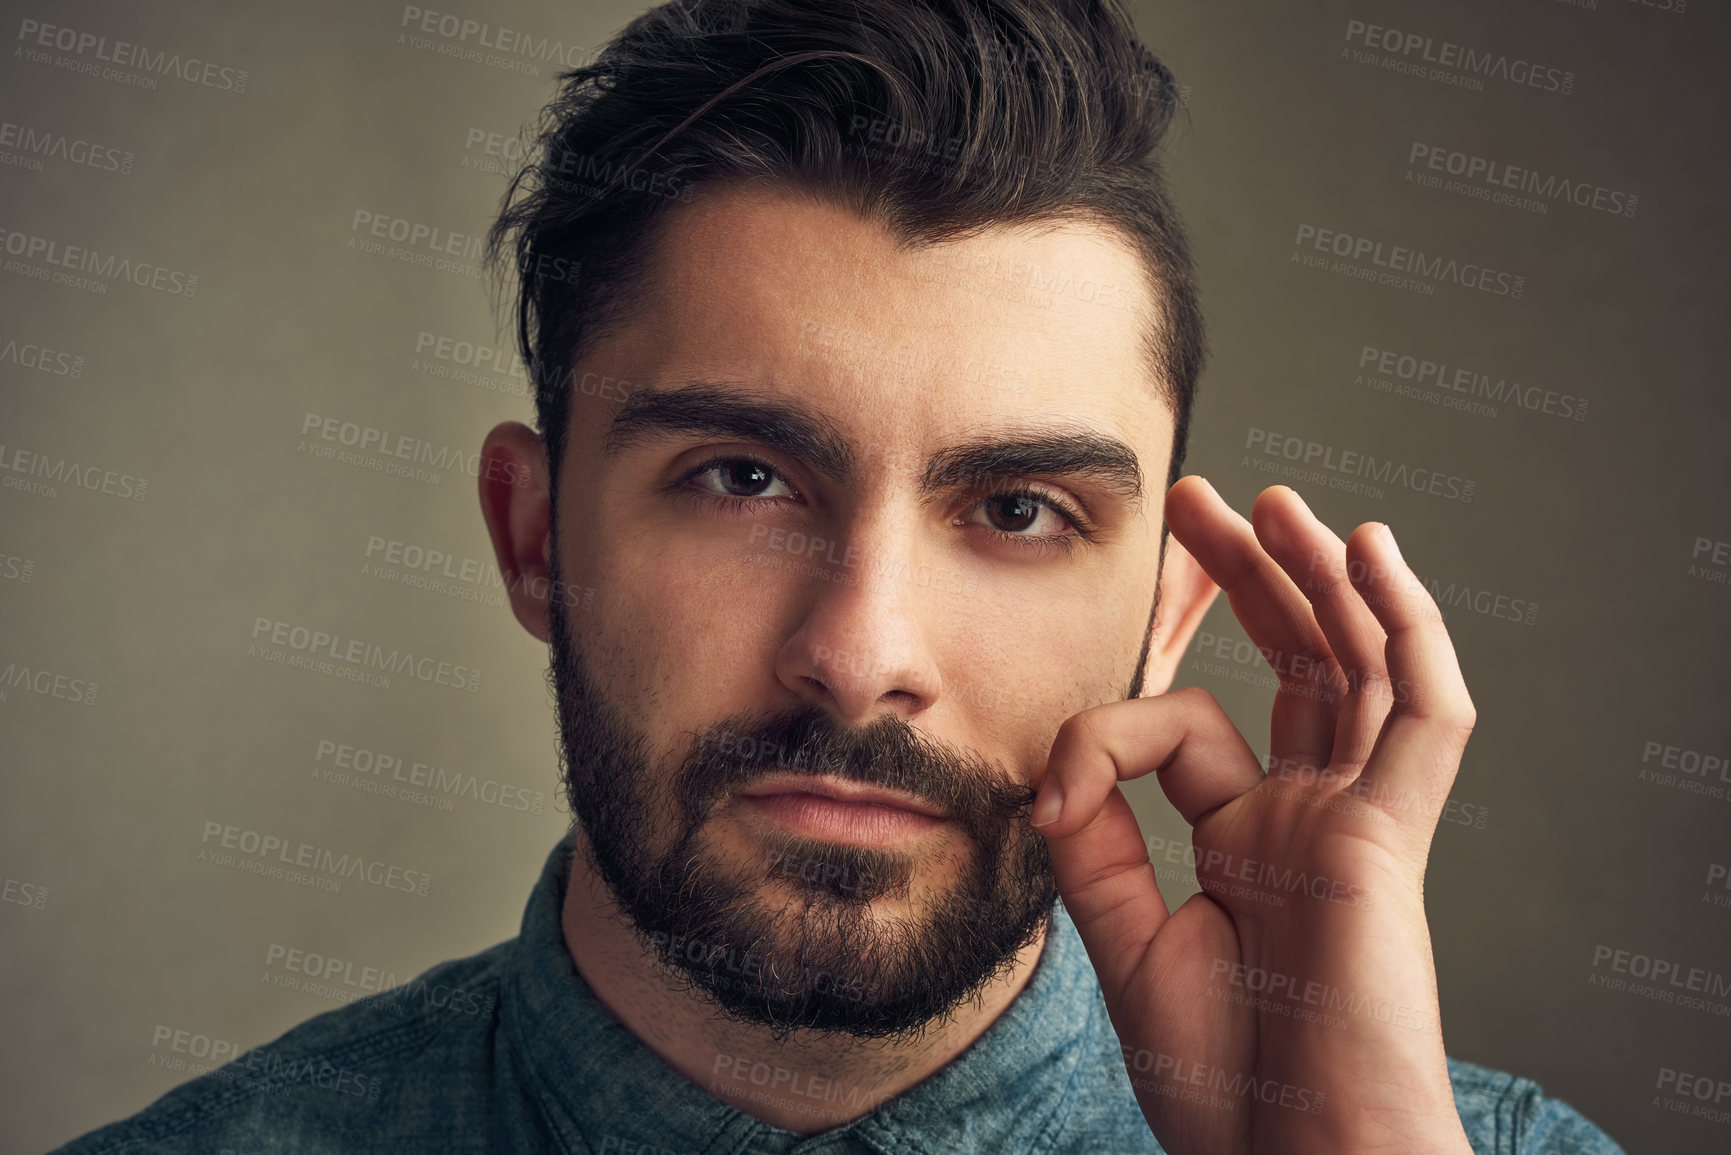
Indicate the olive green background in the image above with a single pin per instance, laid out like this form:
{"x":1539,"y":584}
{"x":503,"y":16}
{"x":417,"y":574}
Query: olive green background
{"x":154,"y":600}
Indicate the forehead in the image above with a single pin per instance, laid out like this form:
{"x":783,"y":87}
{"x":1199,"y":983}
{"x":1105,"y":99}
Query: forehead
{"x":796,"y":295}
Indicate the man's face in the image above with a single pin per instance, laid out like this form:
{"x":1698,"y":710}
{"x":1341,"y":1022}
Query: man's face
{"x":855,"y":517}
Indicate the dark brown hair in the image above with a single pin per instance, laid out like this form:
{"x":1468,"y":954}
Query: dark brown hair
{"x":937,"y":118}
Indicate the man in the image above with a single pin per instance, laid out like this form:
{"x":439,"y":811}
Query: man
{"x":864,"y":336}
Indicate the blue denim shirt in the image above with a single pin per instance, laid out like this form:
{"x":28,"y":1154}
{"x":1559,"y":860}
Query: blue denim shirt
{"x":509,"y":1050}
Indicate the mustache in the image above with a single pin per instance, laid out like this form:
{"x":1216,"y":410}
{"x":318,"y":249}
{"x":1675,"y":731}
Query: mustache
{"x":888,"y":753}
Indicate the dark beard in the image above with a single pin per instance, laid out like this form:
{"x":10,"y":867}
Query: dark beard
{"x":821,"y":961}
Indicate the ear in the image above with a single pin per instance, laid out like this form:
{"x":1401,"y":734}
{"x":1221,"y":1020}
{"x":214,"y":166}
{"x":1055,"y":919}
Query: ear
{"x":516,"y":503}
{"x":1186,"y":592}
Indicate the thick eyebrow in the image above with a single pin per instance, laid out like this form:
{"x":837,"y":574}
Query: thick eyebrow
{"x":1104,"y":460}
{"x":709,"y":409}
{"x":712,"y":410}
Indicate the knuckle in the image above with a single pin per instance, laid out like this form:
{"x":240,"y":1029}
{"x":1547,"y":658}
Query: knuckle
{"x":1078,"y":731}
{"x":1458,"y":718}
{"x":1465,"y":718}
{"x":1201,"y":698}
{"x":1066,"y":735}
{"x":1373,"y":686}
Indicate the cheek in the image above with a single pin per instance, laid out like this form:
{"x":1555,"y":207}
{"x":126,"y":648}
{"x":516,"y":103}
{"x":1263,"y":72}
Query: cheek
{"x":1023,"y":666}
{"x":689,"y":629}
{"x":1052,"y":644}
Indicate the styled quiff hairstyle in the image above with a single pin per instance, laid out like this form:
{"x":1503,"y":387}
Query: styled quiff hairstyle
{"x":936,"y":118}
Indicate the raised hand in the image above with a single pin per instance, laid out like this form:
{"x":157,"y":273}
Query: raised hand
{"x":1291,"y":1006}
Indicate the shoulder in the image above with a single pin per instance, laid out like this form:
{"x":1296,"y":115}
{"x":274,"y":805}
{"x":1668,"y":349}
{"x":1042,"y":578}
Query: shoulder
{"x":331,"y":1083}
{"x":1501,"y":1113}
{"x":1504,"y":1114}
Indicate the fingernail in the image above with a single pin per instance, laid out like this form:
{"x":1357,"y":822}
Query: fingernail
{"x":1392,"y":544}
{"x":1048,"y":805}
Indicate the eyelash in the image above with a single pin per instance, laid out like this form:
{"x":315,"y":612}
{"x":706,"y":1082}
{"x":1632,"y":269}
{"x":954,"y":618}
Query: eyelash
{"x":1039,"y":543}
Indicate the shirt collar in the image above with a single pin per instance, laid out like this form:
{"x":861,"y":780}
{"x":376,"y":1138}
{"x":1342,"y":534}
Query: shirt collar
{"x":594,"y":1079}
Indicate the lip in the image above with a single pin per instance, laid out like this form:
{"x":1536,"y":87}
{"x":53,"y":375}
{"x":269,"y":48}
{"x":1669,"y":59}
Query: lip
{"x":840,"y":790}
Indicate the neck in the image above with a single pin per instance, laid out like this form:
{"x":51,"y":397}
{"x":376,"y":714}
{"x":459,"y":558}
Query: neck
{"x":811,"y":1082}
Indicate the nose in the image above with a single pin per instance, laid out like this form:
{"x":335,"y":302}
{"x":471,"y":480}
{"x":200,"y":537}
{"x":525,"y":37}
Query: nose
{"x":861,"y":646}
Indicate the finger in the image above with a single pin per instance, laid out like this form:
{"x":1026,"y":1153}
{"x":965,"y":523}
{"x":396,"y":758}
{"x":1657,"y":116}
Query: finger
{"x":1098,"y":853}
{"x":1185,"y":734}
{"x":1273,"y":610}
{"x":1315,"y":559}
{"x":1431,"y":715}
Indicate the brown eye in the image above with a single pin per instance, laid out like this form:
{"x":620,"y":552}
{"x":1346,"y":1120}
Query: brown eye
{"x":1024,"y":515}
{"x":739,"y":477}
{"x":1014,"y":512}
